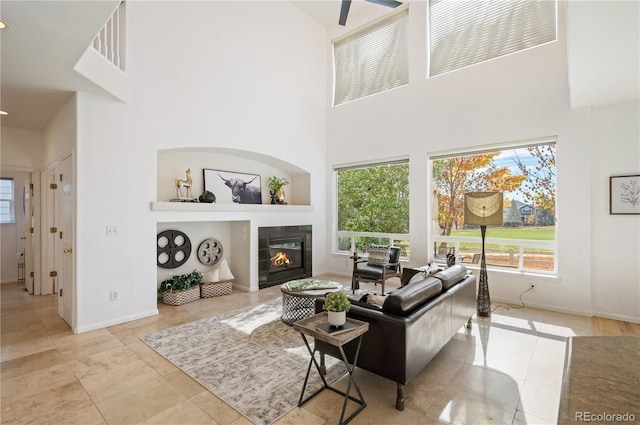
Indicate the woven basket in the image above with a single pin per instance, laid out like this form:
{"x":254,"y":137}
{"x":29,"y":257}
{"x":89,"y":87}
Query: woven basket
{"x":181,"y":297}
{"x":215,"y":289}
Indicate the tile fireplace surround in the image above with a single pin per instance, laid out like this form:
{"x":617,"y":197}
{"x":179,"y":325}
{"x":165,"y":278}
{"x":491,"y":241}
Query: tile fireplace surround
{"x":278,"y":240}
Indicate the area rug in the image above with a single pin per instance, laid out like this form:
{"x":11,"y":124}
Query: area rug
{"x":246,"y":357}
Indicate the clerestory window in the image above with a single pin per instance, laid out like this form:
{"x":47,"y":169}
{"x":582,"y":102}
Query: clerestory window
{"x":372,"y":60}
{"x":462,"y":33}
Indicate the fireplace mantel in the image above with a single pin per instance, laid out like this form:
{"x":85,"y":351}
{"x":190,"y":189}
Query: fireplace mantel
{"x":204,"y":207}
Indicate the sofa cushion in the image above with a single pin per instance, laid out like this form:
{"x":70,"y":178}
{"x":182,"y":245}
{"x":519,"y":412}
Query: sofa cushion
{"x":451,"y":276}
{"x":378,"y":254}
{"x":409,"y":297}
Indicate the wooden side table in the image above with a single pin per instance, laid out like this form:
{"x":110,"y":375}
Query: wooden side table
{"x":308,"y":327}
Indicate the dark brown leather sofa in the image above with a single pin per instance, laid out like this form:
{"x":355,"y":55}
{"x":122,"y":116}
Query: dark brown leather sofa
{"x":413,"y":324}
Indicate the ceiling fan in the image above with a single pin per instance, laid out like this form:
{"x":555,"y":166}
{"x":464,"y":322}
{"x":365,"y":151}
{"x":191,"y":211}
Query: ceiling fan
{"x":346,"y":4}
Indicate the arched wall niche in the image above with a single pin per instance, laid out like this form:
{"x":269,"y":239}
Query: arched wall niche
{"x":173,"y":163}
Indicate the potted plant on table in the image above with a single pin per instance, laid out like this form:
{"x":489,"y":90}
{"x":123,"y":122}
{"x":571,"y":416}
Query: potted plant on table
{"x":181,"y":289}
{"x":337,"y":304}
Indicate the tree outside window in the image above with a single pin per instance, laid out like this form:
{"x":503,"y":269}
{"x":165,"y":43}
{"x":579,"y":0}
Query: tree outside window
{"x":373,"y":200}
{"x":527,"y":178}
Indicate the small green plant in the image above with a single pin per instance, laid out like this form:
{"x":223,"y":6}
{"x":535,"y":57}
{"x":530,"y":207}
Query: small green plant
{"x":181,"y":282}
{"x":336,"y":301}
{"x":276,"y":183}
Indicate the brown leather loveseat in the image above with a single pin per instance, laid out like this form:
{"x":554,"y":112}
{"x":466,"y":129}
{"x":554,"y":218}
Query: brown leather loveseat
{"x":413,"y":324}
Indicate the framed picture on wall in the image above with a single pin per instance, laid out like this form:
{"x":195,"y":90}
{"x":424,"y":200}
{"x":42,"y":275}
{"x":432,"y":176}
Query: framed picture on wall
{"x":231,"y":187}
{"x":624,"y":194}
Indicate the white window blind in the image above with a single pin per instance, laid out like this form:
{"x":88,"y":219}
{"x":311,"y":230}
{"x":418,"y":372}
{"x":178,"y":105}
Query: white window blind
{"x":372,"y":60}
{"x":466,"y":32}
{"x":6,"y":201}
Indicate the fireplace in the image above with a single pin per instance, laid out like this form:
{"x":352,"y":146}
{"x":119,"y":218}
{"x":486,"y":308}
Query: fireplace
{"x":284,"y":254}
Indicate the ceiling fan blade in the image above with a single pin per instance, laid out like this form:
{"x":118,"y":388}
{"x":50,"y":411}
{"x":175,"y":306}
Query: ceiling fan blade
{"x":388,"y":3}
{"x":344,"y":11}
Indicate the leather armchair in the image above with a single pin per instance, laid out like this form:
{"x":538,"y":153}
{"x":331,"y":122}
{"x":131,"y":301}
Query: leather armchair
{"x":365,"y":272}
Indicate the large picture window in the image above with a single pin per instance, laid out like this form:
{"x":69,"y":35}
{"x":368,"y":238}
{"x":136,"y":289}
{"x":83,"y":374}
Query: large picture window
{"x":526,"y":175}
{"x":373,"y":206}
{"x":372,"y":60}
{"x":463,"y":33}
{"x":6,"y":201}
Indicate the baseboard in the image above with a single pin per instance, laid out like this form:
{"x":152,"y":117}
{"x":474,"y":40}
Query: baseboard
{"x":557,"y":309}
{"x":12,"y":280}
{"x":106,"y":324}
{"x":620,"y":317}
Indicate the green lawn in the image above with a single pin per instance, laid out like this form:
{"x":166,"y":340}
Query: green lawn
{"x":531,"y":233}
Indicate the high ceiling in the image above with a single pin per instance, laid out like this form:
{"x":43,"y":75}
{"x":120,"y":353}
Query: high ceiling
{"x":45,"y":39}
{"x":41,"y":44}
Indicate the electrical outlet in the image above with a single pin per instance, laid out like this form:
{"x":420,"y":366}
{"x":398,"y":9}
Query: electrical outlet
{"x":114,"y":296}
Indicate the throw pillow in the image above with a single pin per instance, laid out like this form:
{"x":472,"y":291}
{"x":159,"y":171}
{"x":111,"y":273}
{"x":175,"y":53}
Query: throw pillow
{"x":378,"y":254}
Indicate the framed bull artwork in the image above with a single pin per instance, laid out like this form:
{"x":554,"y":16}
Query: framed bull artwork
{"x":233,"y":188}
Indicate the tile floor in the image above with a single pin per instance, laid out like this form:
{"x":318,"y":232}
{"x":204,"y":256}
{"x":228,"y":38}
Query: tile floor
{"x":506,"y":370}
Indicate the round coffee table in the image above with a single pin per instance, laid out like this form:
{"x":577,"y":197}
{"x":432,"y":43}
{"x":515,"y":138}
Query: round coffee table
{"x":300,"y":304}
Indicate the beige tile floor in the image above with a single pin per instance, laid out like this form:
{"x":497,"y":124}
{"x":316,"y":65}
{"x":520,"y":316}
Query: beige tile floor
{"x":505,"y":370}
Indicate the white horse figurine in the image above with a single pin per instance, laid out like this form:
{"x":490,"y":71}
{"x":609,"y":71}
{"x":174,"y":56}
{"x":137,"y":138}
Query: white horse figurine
{"x":184,"y":183}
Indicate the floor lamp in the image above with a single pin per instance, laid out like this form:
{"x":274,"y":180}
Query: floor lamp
{"x":484,"y":209}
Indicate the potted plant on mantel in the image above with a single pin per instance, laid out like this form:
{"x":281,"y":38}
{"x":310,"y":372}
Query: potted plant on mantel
{"x":181,"y":289}
{"x":337,"y":304}
{"x":276,"y":190}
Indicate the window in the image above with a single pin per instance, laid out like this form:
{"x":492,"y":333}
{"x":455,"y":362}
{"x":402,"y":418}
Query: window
{"x":372,"y":60}
{"x":526,"y":174}
{"x":463,"y":33}
{"x":6,"y":201}
{"x":373,"y":206}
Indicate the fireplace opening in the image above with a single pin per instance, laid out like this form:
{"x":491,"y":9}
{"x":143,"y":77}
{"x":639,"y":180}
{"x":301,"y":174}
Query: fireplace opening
{"x":284,"y":254}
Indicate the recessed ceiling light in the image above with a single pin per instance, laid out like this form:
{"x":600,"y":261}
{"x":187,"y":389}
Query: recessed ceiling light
{"x":2,"y":25}
{"x":4,"y":113}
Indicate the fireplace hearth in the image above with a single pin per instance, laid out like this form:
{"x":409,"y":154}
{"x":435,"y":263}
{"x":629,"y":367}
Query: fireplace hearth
{"x":284,"y":253}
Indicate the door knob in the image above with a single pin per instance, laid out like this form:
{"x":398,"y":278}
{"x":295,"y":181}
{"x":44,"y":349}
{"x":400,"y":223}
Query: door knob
{"x":67,"y":250}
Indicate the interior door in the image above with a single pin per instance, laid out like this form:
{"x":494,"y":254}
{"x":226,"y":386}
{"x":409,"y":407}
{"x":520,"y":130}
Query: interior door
{"x":66,"y":256}
{"x":29,"y":234}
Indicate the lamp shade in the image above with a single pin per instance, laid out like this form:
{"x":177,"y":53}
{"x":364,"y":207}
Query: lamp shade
{"x":483,"y":208}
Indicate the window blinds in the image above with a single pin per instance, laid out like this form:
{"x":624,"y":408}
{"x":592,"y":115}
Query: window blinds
{"x":372,"y":60}
{"x":466,"y":32}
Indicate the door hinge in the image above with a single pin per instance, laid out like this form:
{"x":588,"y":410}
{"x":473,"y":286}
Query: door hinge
{"x":53,"y":186}
{"x":32,"y":230}
{"x":60,"y":294}
{"x":31,"y":186}
{"x":60,"y":177}
{"x":30,"y":274}
{"x":53,"y":230}
{"x":60,"y":235}
{"x":53,"y":274}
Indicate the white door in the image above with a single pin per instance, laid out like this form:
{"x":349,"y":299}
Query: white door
{"x":50,"y":239}
{"x":29,"y":234}
{"x":65,"y":256}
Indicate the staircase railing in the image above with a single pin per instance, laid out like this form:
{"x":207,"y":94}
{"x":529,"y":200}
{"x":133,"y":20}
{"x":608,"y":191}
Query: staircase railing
{"x":111,"y":40}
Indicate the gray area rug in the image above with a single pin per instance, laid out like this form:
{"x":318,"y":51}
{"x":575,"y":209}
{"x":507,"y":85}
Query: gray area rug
{"x":246,"y":357}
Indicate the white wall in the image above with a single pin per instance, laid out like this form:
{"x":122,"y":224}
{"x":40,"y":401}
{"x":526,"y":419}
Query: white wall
{"x":514,"y":98}
{"x":247,"y":75}
{"x":60,"y":134}
{"x":21,"y":149}
{"x":615,"y":250}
